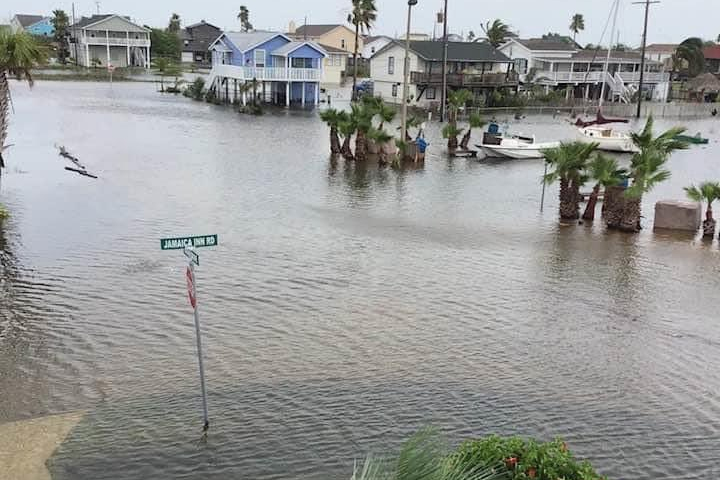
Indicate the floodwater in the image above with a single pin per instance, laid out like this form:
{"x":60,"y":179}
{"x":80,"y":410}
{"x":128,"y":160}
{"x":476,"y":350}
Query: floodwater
{"x":345,"y":307}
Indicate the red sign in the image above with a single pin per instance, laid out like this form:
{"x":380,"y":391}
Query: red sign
{"x":191,"y":287}
{"x":111,"y":67}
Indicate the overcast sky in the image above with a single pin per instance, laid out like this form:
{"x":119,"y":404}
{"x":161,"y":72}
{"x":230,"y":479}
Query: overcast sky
{"x":671,"y":21}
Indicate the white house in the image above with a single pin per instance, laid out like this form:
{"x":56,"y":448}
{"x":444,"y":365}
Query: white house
{"x":661,"y":52}
{"x":527,"y":53}
{"x":581,"y":73}
{"x":105,"y":40}
{"x":333,"y":66}
{"x":374,"y":45}
{"x":474,"y":66}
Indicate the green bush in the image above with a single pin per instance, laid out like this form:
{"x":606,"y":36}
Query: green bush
{"x":527,"y":459}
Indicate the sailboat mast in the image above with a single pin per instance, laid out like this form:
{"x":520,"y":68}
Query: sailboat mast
{"x":607,"y":60}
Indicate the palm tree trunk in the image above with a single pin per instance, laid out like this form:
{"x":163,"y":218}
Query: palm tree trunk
{"x":613,"y":205}
{"x":631,"y":212}
{"x":4,"y":111}
{"x":361,"y":146}
{"x":709,"y":223}
{"x":355,"y":65}
{"x":466,"y":139}
{"x":592,"y":203}
{"x":345,"y":150}
{"x":569,"y":208}
{"x":334,"y":140}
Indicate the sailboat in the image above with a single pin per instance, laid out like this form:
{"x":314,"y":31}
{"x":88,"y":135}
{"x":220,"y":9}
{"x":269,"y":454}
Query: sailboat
{"x":608,"y":139}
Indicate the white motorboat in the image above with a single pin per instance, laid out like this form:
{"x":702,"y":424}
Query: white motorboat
{"x":497,"y":145}
{"x":609,"y":139}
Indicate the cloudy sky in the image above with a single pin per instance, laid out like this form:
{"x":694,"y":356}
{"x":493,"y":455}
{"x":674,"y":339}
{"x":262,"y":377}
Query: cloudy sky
{"x":671,"y":21}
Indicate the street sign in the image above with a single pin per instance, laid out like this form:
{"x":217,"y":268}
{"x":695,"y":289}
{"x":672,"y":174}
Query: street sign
{"x":179,"y":243}
{"x":192,"y":256}
{"x":191,"y":287}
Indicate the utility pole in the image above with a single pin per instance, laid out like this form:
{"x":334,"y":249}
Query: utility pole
{"x":443,"y":101}
{"x":406,"y":74}
{"x":647,"y":4}
{"x":74,"y":35}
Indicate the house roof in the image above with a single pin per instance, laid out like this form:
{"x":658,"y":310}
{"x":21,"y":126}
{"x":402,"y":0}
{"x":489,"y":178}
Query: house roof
{"x":27,"y":20}
{"x":546,"y":44}
{"x":244,"y":41}
{"x":85,"y":22}
{"x":330,"y":49}
{"x":706,"y":82}
{"x":315,"y":30}
{"x":288,"y":48}
{"x":599,"y":56}
{"x":457,"y":51}
{"x":198,"y":36}
{"x":712,"y":53}
{"x":369,"y":39}
{"x":661,"y":47}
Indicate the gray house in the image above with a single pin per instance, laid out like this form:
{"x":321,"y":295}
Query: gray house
{"x":104,"y":40}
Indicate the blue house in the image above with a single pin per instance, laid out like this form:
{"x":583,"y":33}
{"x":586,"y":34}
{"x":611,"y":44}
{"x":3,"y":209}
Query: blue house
{"x":33,"y":24}
{"x":282,"y":71}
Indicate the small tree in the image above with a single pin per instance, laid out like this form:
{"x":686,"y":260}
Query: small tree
{"x":346,"y":129}
{"x":496,"y":32}
{"x":475,"y":121}
{"x":244,"y":17}
{"x":647,"y":169}
{"x":196,"y":90}
{"x":607,"y":174}
{"x":706,"y":192}
{"x":457,"y":99}
{"x":381,"y":139}
{"x":569,"y":163}
{"x":332,"y":119}
{"x":362,"y":116}
{"x":165,"y":67}
{"x":61,"y":22}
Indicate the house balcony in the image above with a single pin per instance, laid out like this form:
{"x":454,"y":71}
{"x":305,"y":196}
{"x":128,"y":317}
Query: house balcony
{"x":268,"y":74}
{"x":469,"y":80}
{"x":555,"y":78}
{"x":116,"y":42}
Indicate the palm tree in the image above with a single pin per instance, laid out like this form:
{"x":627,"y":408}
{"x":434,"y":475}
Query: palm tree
{"x":647,"y":169}
{"x":496,"y":33}
{"x":174,"y":23}
{"x":363,"y":16}
{"x":577,"y":25}
{"x":19,"y":54}
{"x":61,"y":23}
{"x":426,"y":456}
{"x":707,"y":192}
{"x":346,"y":129}
{"x":244,"y":17}
{"x":607,"y":174}
{"x":569,"y":162}
{"x":332,"y":118}
{"x":475,"y":121}
{"x":381,"y":139}
{"x":362,"y":116}
{"x":457,"y":99}
{"x":690,"y":51}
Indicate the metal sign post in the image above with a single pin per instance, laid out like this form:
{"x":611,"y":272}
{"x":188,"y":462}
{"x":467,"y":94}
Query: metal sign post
{"x":188,"y":245}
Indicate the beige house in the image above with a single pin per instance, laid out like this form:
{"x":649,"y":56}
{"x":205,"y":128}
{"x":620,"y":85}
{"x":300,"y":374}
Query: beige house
{"x":104,"y":40}
{"x":333,"y":66}
{"x":337,"y":36}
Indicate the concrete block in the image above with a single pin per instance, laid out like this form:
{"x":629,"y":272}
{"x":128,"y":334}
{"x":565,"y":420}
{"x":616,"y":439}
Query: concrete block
{"x":678,"y":215}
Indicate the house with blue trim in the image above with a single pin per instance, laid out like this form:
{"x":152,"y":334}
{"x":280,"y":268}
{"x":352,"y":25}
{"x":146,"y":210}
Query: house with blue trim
{"x":281,"y":70}
{"x":33,"y":24}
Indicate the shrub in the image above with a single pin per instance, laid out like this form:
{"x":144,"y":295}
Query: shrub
{"x":527,"y":459}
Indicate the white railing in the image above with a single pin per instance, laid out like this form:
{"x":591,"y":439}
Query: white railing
{"x":594,"y":77}
{"x":267,"y":73}
{"x":123,"y":42}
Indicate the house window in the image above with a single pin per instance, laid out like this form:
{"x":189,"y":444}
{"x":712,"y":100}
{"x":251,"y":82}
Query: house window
{"x":259,"y":58}
{"x":394,"y":89}
{"x":391,"y":65}
{"x":342,"y":44}
{"x":521,"y":65}
{"x":187,"y":42}
{"x":337,"y":60}
{"x":430,"y":93}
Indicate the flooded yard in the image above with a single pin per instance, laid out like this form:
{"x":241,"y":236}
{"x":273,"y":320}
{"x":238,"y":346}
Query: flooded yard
{"x":346,"y":305}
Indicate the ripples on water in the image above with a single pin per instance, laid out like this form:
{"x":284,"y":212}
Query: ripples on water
{"x":346,"y":305}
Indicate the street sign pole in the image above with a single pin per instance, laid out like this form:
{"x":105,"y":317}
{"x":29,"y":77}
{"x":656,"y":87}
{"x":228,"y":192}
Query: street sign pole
{"x":193,"y":289}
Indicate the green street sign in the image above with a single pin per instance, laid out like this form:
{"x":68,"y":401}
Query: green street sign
{"x":180,"y":243}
